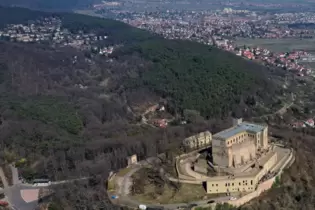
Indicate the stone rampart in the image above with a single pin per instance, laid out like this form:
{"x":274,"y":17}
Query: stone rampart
{"x":266,"y":185}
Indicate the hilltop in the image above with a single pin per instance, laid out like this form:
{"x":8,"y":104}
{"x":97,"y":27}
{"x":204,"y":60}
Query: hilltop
{"x":70,"y":111}
{"x":59,"y":5}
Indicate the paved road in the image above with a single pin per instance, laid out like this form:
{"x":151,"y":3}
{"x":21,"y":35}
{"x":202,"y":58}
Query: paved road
{"x":15,"y":175}
{"x":69,"y":180}
{"x":200,"y":202}
{"x":13,"y":193}
{"x":126,"y":201}
{"x":15,"y":199}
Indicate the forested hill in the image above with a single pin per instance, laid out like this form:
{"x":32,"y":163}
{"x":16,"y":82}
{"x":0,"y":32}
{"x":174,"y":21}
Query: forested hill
{"x":70,"y":112}
{"x":202,"y":78}
{"x":190,"y":75}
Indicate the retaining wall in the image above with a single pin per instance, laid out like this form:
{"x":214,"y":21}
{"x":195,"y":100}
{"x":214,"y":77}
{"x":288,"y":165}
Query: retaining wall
{"x":185,"y":181}
{"x":212,"y":206}
{"x":266,"y":185}
{"x":181,"y":160}
{"x":260,"y":189}
{"x":195,"y":175}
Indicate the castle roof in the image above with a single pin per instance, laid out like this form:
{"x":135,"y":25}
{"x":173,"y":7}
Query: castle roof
{"x":244,"y":126}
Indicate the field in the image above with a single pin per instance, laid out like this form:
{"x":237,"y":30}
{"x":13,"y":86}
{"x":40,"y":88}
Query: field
{"x":280,"y":45}
{"x":123,"y":172}
{"x":111,"y":185}
{"x":87,"y":12}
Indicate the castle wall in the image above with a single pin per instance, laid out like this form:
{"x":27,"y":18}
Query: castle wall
{"x":199,"y":140}
{"x":237,"y":139}
{"x":265,"y":138}
{"x":266,"y":185}
{"x":220,"y":153}
{"x":261,"y":188}
{"x":266,"y":167}
{"x":246,"y":183}
{"x":242,"y":153}
{"x":237,"y":184}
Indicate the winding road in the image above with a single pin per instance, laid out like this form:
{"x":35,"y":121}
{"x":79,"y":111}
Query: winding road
{"x":124,"y":183}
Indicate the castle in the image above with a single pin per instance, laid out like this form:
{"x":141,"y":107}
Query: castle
{"x":234,"y":146}
{"x":239,"y":144}
{"x":241,"y":152}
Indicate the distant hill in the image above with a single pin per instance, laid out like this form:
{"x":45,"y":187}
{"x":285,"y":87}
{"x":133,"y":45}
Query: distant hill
{"x":16,"y":15}
{"x":117,"y":32}
{"x":50,"y":5}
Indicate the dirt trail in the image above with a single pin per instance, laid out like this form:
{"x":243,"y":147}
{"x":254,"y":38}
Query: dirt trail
{"x":281,"y":111}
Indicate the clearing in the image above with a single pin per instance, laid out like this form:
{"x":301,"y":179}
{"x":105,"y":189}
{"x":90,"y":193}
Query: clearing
{"x":279,"y":45}
{"x":123,"y":172}
{"x":186,"y":193}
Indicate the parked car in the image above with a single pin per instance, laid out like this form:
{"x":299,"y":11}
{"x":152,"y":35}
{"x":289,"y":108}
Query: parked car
{"x":211,"y":201}
{"x":233,"y":198}
{"x":4,"y":203}
{"x":114,"y":196}
{"x":142,"y":207}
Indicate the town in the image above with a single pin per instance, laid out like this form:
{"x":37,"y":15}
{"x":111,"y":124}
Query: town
{"x":50,"y":31}
{"x":222,"y":28}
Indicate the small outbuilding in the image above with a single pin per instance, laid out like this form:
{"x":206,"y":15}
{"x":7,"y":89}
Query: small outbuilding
{"x":131,"y":160}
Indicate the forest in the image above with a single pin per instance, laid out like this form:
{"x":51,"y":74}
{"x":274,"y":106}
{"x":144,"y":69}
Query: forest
{"x":202,"y":78}
{"x":70,"y":114}
{"x":46,"y":116}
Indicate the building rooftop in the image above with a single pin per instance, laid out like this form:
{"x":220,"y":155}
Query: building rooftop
{"x":244,"y":126}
